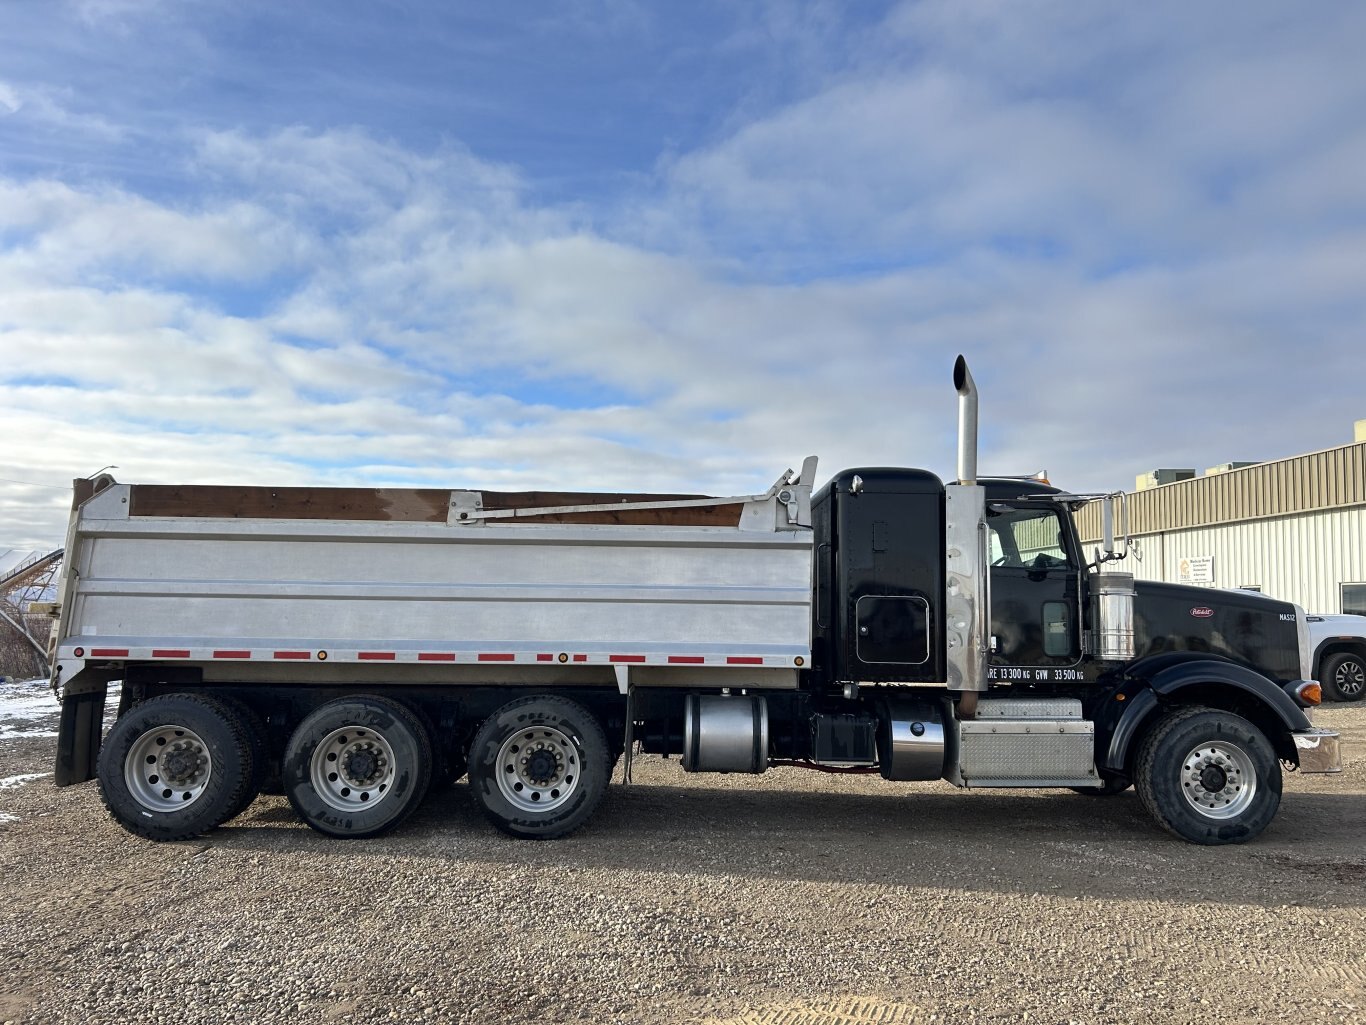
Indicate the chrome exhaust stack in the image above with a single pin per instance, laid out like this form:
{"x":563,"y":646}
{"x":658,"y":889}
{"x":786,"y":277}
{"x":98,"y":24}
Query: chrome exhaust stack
{"x":967,"y":422}
{"x":967,"y":599}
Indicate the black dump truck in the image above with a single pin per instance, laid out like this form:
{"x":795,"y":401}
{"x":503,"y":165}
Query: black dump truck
{"x":353,"y":646}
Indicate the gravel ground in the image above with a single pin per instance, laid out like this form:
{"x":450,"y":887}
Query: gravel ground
{"x":788,"y":899}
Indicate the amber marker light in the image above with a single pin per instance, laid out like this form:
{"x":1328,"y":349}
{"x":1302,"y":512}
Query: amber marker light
{"x":799,"y":661}
{"x":1310,"y":693}
{"x":1119,"y":697}
{"x":322,"y":656}
{"x":564,"y":657}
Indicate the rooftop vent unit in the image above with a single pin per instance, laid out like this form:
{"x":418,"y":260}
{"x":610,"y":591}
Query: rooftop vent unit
{"x":1156,"y":478}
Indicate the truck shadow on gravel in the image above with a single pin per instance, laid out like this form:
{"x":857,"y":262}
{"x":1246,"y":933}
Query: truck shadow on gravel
{"x":1044,"y":842}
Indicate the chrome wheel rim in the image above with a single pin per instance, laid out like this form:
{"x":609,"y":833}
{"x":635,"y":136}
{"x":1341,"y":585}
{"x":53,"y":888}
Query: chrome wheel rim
{"x":352,"y":768}
{"x":1218,"y":780}
{"x":167,"y":768}
{"x":538,"y":769}
{"x":1350,"y":679}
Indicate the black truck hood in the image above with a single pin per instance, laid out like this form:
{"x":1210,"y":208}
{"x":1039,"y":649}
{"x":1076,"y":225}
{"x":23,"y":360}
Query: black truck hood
{"x":1259,"y":632}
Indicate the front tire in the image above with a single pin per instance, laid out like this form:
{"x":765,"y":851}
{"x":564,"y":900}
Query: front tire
{"x":1344,"y":677}
{"x":538,"y":767}
{"x":1208,"y":776}
{"x":358,"y":766}
{"x":176,"y":766}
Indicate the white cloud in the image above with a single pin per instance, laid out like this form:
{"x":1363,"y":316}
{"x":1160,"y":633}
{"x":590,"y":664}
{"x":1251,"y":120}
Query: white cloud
{"x":50,"y":110}
{"x":1090,"y":215}
{"x":64,"y":231}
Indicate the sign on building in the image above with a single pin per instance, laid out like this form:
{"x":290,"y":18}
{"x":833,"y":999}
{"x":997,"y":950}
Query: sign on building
{"x":1196,"y":569}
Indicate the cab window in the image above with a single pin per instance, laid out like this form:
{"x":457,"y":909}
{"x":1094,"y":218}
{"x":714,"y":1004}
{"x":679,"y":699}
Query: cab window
{"x":1026,"y":538}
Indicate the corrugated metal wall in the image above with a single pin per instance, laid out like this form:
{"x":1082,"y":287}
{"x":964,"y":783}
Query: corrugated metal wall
{"x":1296,"y":527}
{"x":1330,"y":479}
{"x":1302,"y":559}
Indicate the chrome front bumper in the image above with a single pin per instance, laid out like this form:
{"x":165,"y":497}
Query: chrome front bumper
{"x":1318,"y":751}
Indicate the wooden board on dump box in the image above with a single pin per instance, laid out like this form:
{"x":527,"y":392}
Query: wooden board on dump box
{"x":419,"y":505}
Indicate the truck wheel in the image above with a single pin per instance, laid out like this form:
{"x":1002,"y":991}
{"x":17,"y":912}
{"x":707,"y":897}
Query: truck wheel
{"x":1344,"y":677}
{"x":1208,"y":776}
{"x":175,"y":766}
{"x":538,"y":767}
{"x":357,"y":766}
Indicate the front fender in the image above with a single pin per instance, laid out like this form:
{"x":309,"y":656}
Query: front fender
{"x":1177,"y":678}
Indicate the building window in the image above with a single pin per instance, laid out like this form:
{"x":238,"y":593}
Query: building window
{"x":1354,"y":599}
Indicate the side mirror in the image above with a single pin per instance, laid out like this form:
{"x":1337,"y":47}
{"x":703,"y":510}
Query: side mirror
{"x":1107,"y":552}
{"x":1107,"y":526}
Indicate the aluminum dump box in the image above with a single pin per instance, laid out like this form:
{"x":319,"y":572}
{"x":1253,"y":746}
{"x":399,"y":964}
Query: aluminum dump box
{"x":320,"y":585}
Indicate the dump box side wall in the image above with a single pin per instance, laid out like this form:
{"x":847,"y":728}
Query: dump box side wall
{"x":189,"y":586}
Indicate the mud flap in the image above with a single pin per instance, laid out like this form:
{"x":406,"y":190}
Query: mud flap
{"x":78,"y":738}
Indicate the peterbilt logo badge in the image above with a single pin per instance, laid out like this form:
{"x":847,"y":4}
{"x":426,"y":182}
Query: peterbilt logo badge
{"x":1202,"y":612}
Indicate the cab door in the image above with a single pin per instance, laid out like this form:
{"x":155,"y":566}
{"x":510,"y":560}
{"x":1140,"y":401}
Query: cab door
{"x":1035,"y":589}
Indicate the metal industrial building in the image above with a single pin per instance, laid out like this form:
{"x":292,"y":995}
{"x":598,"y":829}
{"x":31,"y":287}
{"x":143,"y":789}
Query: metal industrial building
{"x":1293,"y":528}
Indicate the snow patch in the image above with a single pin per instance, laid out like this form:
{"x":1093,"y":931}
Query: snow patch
{"x":18,"y":781}
{"x":27,"y":709}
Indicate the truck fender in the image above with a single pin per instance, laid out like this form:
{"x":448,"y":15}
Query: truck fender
{"x":1172,"y":677}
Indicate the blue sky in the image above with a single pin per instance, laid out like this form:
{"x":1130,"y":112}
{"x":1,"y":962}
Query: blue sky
{"x":618,"y":245}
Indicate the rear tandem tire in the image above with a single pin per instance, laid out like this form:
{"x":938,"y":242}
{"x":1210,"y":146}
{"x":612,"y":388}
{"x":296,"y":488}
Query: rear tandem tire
{"x":357,"y":766}
{"x":176,"y":766}
{"x":538,"y":767}
{"x":1208,"y":776}
{"x":255,"y":728}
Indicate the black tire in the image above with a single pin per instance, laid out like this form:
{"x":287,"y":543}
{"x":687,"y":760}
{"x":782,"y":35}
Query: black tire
{"x":1344,"y":677}
{"x":1208,"y":776}
{"x":176,"y":766}
{"x":358,"y":766}
{"x":538,"y":767}
{"x":255,"y":728}
{"x":1110,"y":785}
{"x":449,"y":757}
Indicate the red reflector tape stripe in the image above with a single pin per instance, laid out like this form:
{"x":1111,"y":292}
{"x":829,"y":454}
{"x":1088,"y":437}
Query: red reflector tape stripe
{"x":543,"y":658}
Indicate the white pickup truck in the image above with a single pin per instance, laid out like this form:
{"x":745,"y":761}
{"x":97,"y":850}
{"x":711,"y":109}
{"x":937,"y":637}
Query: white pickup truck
{"x":1339,"y":647}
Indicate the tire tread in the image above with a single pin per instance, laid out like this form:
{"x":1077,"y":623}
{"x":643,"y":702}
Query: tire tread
{"x":422,"y":777}
{"x":154,"y":828}
{"x":594,"y":744}
{"x":1147,"y":775}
